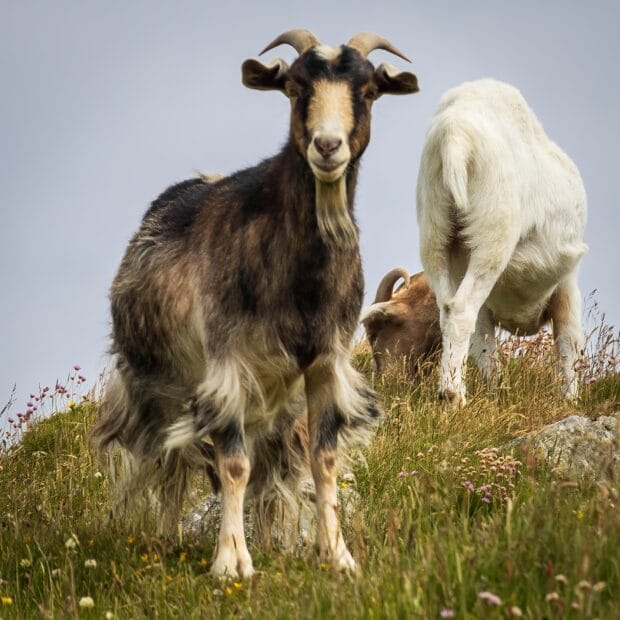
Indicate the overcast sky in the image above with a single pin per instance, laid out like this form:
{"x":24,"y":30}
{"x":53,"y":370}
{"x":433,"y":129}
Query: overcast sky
{"x":105,"y":104}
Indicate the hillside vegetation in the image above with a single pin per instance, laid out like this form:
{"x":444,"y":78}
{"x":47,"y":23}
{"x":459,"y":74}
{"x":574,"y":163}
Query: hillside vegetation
{"x":449,"y":524}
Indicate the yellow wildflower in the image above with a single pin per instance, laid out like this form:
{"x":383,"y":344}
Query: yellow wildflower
{"x":229,"y":591}
{"x":6,"y":600}
{"x":182,"y":556}
{"x":237,"y":585}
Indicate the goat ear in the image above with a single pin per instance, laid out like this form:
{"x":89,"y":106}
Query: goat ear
{"x":391,"y":81}
{"x":255,"y":74}
{"x":381,"y":313}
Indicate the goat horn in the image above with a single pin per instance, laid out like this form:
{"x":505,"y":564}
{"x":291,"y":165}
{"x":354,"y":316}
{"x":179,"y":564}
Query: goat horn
{"x":386,"y":286}
{"x":365,"y":42}
{"x":298,"y":38}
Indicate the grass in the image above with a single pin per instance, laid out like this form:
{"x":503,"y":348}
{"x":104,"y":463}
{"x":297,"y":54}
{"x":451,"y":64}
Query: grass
{"x":445,"y":527}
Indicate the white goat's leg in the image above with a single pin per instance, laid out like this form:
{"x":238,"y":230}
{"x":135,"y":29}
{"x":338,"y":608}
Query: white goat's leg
{"x":564,"y":309}
{"x":233,"y":467}
{"x":459,"y":315}
{"x":324,"y":419}
{"x":484,"y":346}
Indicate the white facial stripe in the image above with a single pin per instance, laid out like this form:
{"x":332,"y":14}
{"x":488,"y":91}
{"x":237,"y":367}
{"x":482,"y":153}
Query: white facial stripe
{"x":331,"y":109}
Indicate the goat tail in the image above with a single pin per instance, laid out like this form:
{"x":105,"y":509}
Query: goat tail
{"x":456,"y":150}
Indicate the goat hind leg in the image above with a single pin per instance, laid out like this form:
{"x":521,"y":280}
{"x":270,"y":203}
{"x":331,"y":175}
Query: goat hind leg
{"x":484,"y":347}
{"x":459,"y":316}
{"x":564,"y":309}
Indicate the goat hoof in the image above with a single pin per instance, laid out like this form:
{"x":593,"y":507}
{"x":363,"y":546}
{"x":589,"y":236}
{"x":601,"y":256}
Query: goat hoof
{"x":452,"y":398}
{"x":341,"y":561}
{"x":345,"y":563}
{"x":230,"y":566}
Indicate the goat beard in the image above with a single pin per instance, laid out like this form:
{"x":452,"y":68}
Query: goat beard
{"x":332,"y":214}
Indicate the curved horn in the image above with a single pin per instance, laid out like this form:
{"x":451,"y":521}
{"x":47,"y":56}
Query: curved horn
{"x":366,"y":42}
{"x":298,"y":38}
{"x":386,"y":286}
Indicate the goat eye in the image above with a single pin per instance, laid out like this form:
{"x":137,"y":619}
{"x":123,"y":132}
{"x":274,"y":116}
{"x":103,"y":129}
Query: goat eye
{"x":371,"y":94}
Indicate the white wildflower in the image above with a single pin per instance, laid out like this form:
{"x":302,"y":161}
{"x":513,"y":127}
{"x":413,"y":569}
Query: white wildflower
{"x":86,"y":602}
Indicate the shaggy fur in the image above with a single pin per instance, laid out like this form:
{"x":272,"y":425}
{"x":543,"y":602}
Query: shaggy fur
{"x":233,"y":312}
{"x":502,"y":212}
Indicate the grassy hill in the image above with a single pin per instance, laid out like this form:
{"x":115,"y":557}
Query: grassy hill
{"x":446,"y":527}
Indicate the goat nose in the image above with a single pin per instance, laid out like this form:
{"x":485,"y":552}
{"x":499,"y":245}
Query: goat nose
{"x":327,"y":146}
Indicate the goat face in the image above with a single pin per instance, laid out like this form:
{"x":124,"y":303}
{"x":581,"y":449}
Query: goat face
{"x":331,"y":91}
{"x":403,"y":324}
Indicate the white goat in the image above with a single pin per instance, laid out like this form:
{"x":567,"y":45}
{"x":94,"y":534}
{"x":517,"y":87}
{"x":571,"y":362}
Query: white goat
{"x":501,"y":211}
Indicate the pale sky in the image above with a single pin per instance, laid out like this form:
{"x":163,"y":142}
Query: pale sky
{"x":105,"y":104}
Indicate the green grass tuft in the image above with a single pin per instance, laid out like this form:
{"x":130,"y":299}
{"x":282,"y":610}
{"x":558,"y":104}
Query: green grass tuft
{"x":427,"y":537}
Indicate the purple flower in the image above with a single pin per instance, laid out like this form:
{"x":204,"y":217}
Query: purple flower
{"x":77,"y":367}
{"x":11,"y":420}
{"x":486,"y":499}
{"x":414,"y":472}
{"x":446,"y":613}
{"x":469,"y":486}
{"x":401,"y":474}
{"x":491,"y":599}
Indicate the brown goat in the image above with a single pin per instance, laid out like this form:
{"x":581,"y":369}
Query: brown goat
{"x":235,"y":305}
{"x":402,"y":323}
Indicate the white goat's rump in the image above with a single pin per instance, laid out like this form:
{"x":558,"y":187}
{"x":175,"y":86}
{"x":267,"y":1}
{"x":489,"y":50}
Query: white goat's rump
{"x":502,"y":213}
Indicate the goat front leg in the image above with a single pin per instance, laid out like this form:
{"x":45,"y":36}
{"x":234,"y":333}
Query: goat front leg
{"x":324,"y":421}
{"x":564,"y":310}
{"x":233,"y":467}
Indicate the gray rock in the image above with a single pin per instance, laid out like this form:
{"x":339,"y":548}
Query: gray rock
{"x":295,"y":535}
{"x":577,"y":448}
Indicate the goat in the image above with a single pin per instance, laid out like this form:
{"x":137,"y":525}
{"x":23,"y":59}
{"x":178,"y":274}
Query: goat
{"x":501,"y":211}
{"x":402,"y":323}
{"x":235,"y":306}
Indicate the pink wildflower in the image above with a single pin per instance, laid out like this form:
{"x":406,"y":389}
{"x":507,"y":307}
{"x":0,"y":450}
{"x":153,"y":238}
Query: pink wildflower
{"x":491,"y":599}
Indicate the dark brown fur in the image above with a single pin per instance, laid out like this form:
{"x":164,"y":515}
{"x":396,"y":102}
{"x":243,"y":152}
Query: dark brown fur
{"x":230,"y":296}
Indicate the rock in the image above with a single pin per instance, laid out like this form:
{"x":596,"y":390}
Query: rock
{"x":295,"y":535}
{"x":577,"y":448}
